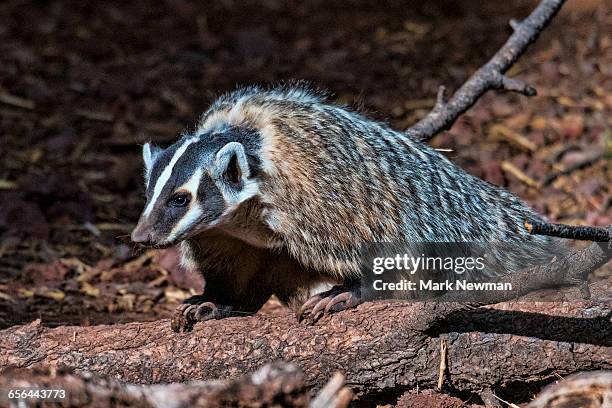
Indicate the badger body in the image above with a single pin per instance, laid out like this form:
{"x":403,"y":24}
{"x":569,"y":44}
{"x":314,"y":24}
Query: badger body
{"x":286,"y":189}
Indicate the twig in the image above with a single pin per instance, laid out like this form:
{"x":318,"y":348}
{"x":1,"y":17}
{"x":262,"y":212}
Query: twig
{"x":510,"y":168}
{"x":16,"y":101}
{"x":442,"y":368}
{"x":95,"y":115}
{"x":586,"y":161}
{"x":501,"y":132}
{"x":490,"y":76}
{"x":511,"y":405}
{"x":582,"y":233}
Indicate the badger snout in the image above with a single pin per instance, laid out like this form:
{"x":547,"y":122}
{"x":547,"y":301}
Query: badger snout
{"x":142,"y":233}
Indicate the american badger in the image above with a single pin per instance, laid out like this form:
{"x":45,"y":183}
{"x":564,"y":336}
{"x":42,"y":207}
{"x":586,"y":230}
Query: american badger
{"x":276,"y":191}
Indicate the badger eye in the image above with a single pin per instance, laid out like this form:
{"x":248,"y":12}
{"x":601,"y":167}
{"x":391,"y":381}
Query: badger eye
{"x":179,"y":199}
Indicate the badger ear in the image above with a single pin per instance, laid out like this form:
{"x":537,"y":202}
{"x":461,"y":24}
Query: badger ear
{"x":231,"y":165}
{"x":150,"y":153}
{"x":231,"y":172}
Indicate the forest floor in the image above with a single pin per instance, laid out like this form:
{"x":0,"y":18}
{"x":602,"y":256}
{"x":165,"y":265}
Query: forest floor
{"x":82,"y":87}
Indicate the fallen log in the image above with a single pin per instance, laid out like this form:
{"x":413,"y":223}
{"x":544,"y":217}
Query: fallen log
{"x":274,"y":385}
{"x":381,"y":347}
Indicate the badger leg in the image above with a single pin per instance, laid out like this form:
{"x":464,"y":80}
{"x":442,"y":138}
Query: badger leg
{"x":230,"y":282}
{"x":336,"y":299}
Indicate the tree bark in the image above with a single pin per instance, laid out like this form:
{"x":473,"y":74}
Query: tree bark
{"x":381,"y":347}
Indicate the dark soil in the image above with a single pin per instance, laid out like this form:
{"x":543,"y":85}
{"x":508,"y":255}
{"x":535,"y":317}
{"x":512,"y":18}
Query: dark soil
{"x":83,"y":85}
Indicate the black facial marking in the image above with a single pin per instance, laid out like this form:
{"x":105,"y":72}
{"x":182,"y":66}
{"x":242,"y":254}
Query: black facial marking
{"x":210,"y":199}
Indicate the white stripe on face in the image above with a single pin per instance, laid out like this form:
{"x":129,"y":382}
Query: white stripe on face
{"x":194,"y":212}
{"x":187,"y":221}
{"x":165,"y":175}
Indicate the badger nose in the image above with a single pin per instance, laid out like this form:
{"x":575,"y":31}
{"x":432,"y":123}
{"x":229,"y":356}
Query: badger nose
{"x":141,"y":235}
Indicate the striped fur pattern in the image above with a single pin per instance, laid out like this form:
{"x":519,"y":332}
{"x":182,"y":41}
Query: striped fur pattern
{"x":309,"y":183}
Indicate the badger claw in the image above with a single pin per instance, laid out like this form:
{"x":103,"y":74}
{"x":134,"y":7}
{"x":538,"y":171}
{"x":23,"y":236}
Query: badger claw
{"x":179,"y":322}
{"x":344,"y":300}
{"x":320,"y":308}
{"x":206,"y":311}
{"x":334,"y":300}
{"x":308,"y":306}
{"x":186,"y":315}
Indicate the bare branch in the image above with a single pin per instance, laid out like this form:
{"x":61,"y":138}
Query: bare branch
{"x":597,"y":234}
{"x":491,"y":75}
{"x":573,"y":269}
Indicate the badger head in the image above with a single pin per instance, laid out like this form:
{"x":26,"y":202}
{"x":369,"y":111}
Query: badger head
{"x":192,"y":184}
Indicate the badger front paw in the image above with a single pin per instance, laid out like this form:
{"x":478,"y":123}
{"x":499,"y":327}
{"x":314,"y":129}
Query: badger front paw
{"x":195,"y":310}
{"x":336,"y":299}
